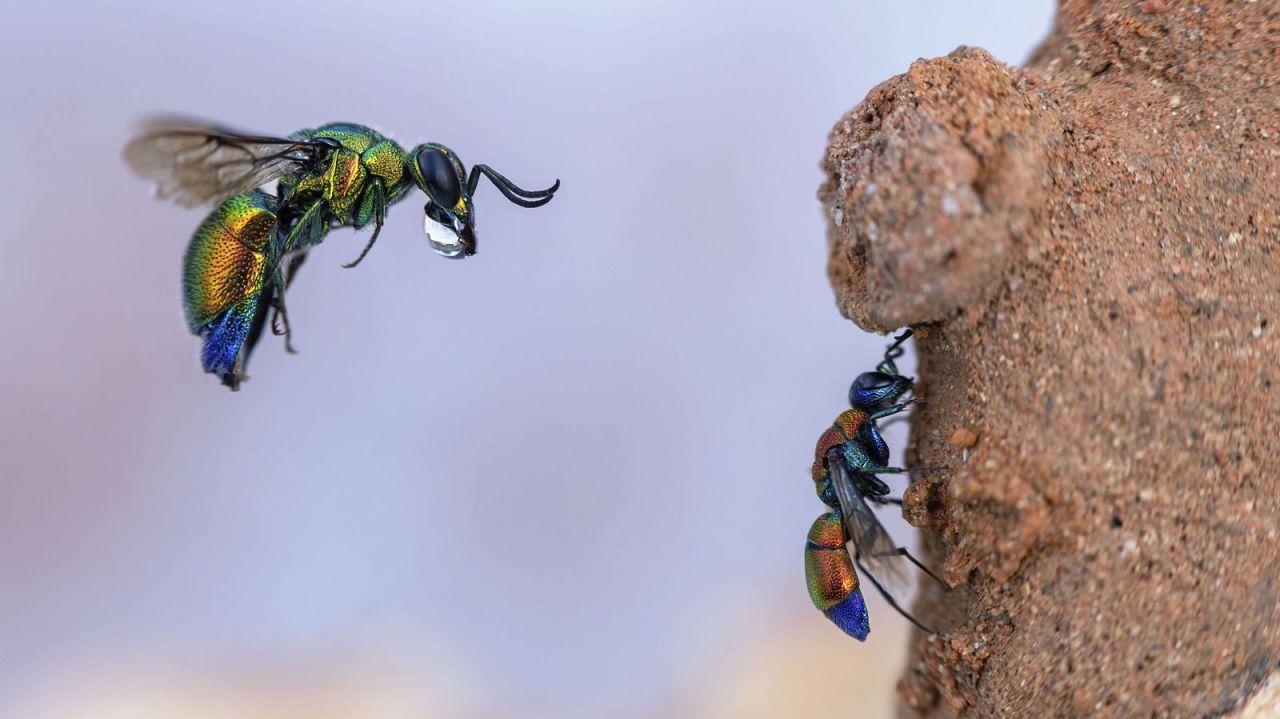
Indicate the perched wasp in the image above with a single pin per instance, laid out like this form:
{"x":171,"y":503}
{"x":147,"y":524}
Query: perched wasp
{"x":846,"y":461}
{"x":245,"y":254}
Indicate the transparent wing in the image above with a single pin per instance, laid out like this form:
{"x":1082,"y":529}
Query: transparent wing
{"x":878,"y":551}
{"x":194,"y":162}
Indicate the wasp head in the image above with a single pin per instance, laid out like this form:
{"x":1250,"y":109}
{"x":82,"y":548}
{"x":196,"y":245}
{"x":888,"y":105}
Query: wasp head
{"x":449,"y":220}
{"x":450,"y":215}
{"x":877,"y":390}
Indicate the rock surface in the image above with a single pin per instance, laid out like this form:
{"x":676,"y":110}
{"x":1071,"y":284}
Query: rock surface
{"x":1089,"y":249}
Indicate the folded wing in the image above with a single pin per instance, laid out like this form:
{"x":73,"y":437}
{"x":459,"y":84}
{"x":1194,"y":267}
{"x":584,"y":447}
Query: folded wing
{"x":872,"y":544}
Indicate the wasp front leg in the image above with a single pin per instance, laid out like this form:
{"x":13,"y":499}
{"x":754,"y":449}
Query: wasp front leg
{"x":833,"y":583}
{"x":892,"y":409}
{"x":374,"y":205}
{"x":888,"y":597}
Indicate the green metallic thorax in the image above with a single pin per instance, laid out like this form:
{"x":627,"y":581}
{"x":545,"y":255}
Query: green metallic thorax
{"x":363,"y":168}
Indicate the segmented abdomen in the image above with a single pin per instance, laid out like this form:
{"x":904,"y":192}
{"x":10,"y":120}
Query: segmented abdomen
{"x":223,"y":274}
{"x":833,"y":583}
{"x":226,"y":258}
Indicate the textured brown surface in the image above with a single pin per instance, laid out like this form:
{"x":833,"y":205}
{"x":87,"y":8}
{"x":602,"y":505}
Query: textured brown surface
{"x":1090,"y":251}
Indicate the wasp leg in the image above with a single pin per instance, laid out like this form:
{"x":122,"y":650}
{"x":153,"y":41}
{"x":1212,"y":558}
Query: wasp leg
{"x":898,"y":470}
{"x":310,"y":221}
{"x":903,"y":552}
{"x":894,"y":409}
{"x":884,"y":500}
{"x":379,"y":201}
{"x":279,"y":312}
{"x":890,"y":470}
{"x":891,"y":422}
{"x":889,"y":598}
{"x":377,"y":227}
{"x":294,"y":263}
{"x":279,"y":315}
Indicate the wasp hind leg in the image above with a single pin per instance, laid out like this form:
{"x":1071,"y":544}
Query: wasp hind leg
{"x":903,"y":551}
{"x":280,"y":322}
{"x":885,"y":500}
{"x":906,"y":554}
{"x":889,"y":597}
{"x":279,"y":313}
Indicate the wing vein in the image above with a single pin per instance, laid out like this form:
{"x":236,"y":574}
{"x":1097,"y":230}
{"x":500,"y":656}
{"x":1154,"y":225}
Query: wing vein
{"x":194,"y":162}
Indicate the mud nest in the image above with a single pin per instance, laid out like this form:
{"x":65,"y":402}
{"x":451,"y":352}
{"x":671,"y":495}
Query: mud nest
{"x":1089,"y":250}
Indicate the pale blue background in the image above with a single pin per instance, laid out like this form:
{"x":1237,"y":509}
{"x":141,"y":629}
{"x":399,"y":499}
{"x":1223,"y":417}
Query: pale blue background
{"x":570,"y":473}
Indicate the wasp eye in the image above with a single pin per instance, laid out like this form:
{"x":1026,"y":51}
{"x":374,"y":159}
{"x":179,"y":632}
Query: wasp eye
{"x":872,"y":381}
{"x":439,"y":176}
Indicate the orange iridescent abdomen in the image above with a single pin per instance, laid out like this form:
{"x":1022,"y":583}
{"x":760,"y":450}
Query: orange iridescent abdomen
{"x":833,"y":583}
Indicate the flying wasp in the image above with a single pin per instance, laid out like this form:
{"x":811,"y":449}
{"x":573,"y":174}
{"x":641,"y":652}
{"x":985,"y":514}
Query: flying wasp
{"x":846,"y":461}
{"x":248,"y":250}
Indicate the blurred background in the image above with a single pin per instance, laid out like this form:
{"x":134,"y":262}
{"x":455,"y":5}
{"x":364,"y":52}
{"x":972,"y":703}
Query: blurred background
{"x":565,"y":478}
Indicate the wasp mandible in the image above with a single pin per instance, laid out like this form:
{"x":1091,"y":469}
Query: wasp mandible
{"x":243,"y":256}
{"x":846,"y":461}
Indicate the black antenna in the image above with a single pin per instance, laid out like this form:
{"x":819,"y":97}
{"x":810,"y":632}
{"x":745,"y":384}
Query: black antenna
{"x":512,"y":191}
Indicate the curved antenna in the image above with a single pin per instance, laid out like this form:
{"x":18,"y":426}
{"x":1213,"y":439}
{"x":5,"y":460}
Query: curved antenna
{"x":893,"y":352}
{"x":513,"y":192}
